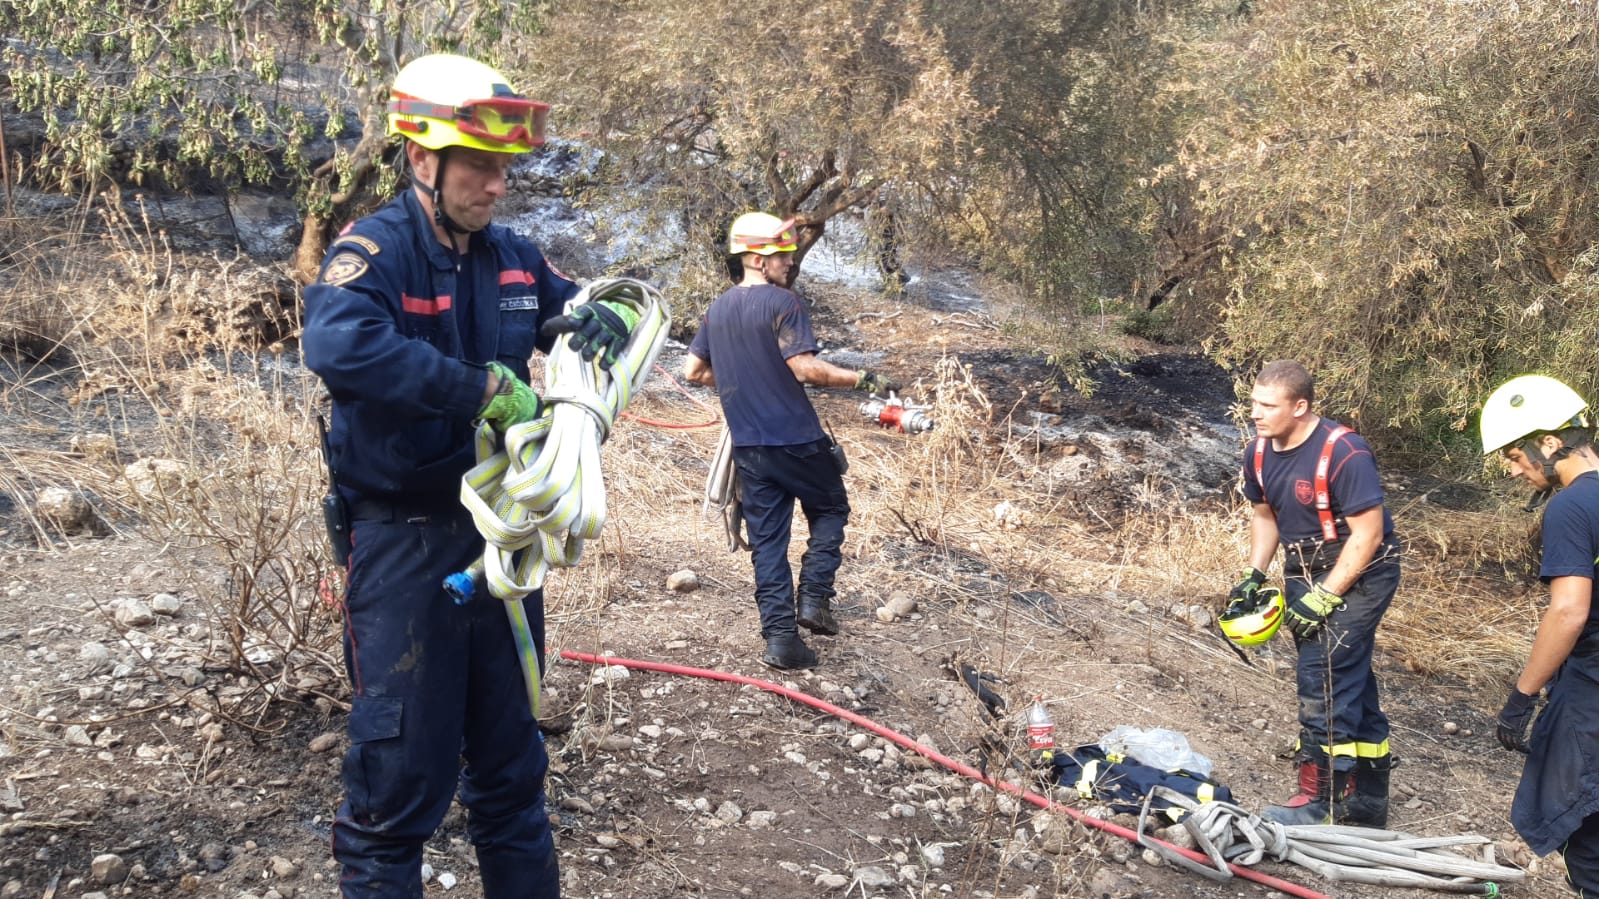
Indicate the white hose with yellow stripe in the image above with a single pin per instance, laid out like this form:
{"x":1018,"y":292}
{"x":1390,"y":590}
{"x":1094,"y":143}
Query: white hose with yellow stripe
{"x":539,"y":494}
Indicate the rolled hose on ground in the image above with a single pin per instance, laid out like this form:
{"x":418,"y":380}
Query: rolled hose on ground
{"x":1342,"y":854}
{"x":1289,"y":887}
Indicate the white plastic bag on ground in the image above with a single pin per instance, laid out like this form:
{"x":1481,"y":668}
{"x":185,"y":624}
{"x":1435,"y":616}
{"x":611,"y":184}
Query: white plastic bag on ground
{"x":1157,"y":747}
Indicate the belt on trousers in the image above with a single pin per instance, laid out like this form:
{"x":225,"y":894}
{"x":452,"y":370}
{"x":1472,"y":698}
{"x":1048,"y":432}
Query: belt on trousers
{"x":1314,"y":556}
{"x":411,"y":508}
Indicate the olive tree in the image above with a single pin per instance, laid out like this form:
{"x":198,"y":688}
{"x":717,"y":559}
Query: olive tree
{"x":716,"y":108}
{"x":281,"y":92}
{"x":1404,"y":193}
{"x":1056,"y":193}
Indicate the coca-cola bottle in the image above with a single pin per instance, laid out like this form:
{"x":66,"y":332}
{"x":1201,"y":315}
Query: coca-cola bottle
{"x":1040,"y":733}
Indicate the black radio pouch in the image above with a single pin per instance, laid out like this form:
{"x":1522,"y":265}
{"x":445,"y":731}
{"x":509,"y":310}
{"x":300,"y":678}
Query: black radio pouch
{"x":837,"y":452}
{"x":335,"y":511}
{"x":336,"y":515}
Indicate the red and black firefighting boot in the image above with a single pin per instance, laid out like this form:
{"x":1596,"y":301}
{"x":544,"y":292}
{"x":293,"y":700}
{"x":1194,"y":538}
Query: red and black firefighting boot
{"x":1318,"y":783}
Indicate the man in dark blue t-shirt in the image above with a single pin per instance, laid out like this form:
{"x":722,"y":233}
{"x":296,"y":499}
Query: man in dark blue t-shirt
{"x":1315,"y":491}
{"x":756,"y":348}
{"x":1543,"y":430}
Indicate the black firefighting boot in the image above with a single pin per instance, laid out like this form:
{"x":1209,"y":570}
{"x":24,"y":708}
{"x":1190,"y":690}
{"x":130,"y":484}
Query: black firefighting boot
{"x":1367,"y":806}
{"x":1318,"y":784}
{"x":788,"y":651}
{"x":815,"y":614}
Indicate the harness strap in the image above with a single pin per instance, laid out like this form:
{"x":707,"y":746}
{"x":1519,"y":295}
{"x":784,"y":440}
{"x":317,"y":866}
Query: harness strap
{"x":1329,"y":530}
{"x":1329,"y":524}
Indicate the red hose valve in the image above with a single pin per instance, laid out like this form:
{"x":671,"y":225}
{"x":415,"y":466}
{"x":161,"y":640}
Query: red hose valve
{"x":894,"y":413}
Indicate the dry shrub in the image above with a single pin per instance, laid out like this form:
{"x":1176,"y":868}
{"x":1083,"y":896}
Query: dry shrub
{"x":25,"y":472}
{"x":247,"y":442}
{"x":1468,"y":603}
{"x":34,"y":320}
{"x":167,"y":358}
{"x":927,"y":483}
{"x":1172,"y":550}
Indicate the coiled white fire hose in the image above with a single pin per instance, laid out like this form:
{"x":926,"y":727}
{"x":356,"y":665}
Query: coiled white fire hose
{"x":724,"y":492}
{"x":540,"y":495}
{"x":1227,"y":833}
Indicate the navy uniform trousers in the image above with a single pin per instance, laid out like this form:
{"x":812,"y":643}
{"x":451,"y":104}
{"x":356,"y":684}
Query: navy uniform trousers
{"x":435,"y":684}
{"x":1339,"y":713}
{"x":1557,"y":801}
{"x":773,"y":477}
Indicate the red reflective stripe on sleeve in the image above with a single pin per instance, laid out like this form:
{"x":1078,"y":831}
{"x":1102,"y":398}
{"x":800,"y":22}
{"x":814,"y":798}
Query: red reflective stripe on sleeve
{"x":421,"y":306}
{"x":515,"y":276}
{"x":1260,"y":465}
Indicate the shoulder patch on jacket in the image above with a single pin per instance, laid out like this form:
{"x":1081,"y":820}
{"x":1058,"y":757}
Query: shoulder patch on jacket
{"x":558,"y":273}
{"x":365,"y":243}
{"x":344,"y":268}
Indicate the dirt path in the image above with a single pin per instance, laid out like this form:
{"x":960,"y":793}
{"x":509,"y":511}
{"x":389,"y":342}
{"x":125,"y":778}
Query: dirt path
{"x":671,"y":786}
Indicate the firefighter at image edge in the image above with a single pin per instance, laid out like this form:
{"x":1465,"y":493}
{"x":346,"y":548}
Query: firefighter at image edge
{"x":1543,"y":431}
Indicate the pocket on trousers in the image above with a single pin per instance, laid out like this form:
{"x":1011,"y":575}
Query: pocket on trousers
{"x":805,"y":452}
{"x":374,"y":718}
{"x":376,"y":779}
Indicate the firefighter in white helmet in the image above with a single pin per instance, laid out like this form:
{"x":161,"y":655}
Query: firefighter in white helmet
{"x":755,"y":346}
{"x":1543,"y":431}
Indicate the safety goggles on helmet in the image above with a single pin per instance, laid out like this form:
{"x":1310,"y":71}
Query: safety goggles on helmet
{"x":513,"y":121}
{"x":1252,"y":623}
{"x":762,"y":233}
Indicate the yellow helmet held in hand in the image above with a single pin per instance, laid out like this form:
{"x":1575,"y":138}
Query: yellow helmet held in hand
{"x":1253,"y":623}
{"x":760,"y":232}
{"x":1527,"y":405}
{"x":443,"y":100}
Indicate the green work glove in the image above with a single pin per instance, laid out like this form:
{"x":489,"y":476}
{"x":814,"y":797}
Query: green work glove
{"x":1243,"y":593}
{"x":873,"y":383}
{"x":1307,"y":613}
{"x":598,"y":328}
{"x":513,"y":402}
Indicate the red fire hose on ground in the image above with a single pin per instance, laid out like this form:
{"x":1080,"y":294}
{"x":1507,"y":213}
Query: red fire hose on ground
{"x":671,"y":425}
{"x":1292,"y":889}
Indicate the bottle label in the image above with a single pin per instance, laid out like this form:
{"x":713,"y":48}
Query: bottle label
{"x":1041,"y":736}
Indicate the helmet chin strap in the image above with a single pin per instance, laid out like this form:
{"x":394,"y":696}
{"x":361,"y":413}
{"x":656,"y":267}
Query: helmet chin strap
{"x":1547,"y":464}
{"x":440,"y":217}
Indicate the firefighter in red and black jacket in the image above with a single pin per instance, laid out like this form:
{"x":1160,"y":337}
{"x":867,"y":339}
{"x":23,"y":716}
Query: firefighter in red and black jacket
{"x":1315,"y":491}
{"x":422,"y":321}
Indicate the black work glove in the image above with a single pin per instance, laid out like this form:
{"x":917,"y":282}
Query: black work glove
{"x":875,"y":383}
{"x":1515,"y":721}
{"x":1243,"y":593}
{"x":598,"y":328}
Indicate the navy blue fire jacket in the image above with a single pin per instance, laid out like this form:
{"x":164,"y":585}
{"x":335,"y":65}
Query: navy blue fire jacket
{"x":384,"y":331}
{"x":1559,"y":786}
